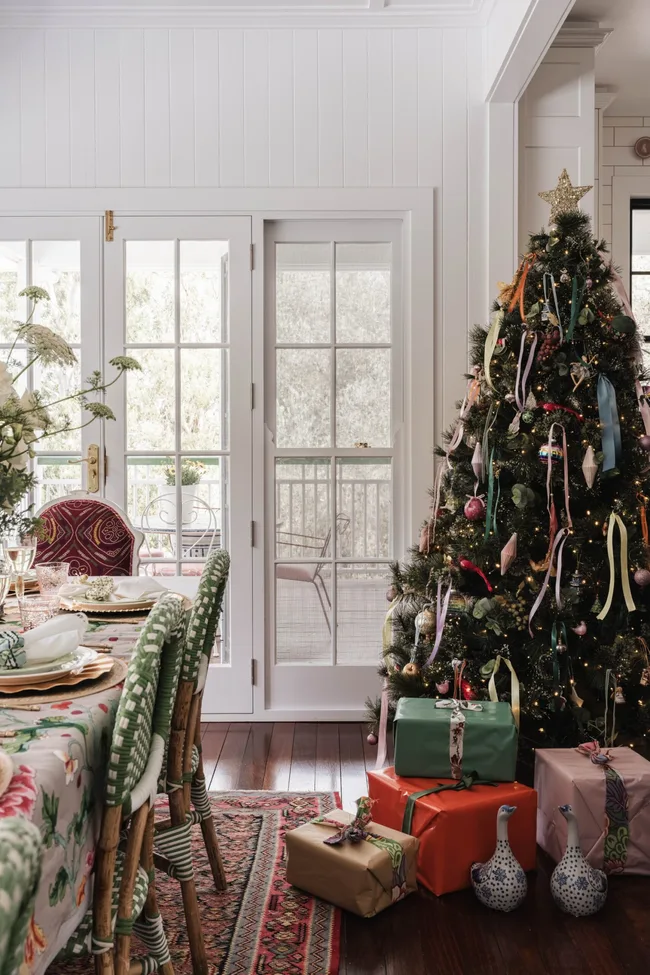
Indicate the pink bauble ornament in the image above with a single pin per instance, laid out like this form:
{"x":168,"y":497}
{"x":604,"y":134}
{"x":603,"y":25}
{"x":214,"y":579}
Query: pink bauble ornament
{"x":474,"y":509}
{"x":642,"y":578}
{"x":644,"y":441}
{"x":371,"y":739}
{"x":580,"y":629}
{"x":443,"y":687}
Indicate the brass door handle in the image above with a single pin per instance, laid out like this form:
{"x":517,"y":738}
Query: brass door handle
{"x":93,"y":467}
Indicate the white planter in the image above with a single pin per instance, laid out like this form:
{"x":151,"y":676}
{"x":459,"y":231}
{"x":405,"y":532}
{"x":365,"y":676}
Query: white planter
{"x":187,"y":505}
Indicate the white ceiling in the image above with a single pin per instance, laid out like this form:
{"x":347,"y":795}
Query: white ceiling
{"x":623,"y":62}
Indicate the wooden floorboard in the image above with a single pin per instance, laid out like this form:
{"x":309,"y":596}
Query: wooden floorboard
{"x":451,"y":935}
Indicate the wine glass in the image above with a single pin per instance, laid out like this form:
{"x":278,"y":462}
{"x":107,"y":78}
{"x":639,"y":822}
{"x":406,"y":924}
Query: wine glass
{"x":18,"y":555}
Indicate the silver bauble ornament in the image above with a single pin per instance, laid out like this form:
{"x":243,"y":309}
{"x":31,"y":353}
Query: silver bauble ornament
{"x":642,"y":578}
{"x":644,"y":441}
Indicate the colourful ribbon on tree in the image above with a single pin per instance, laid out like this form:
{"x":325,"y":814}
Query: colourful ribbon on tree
{"x":610,"y":426}
{"x":558,"y":545}
{"x":522,"y":378}
{"x":490,"y":515}
{"x":576,"y":301}
{"x":614,"y":522}
{"x":514,"y":687}
{"x":491,"y":340}
{"x":442,"y":607}
{"x":546,"y":304}
{"x":520,"y":277}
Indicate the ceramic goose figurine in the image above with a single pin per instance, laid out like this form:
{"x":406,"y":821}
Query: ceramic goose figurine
{"x":500,"y":883}
{"x":577,"y":887}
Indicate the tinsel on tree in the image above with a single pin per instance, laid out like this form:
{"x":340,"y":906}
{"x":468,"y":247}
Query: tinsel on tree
{"x":537,"y":544}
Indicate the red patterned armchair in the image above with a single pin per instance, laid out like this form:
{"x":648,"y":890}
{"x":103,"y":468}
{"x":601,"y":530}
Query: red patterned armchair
{"x":93,"y":535}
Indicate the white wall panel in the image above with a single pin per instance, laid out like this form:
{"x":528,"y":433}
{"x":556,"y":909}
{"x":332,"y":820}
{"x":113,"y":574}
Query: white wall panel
{"x":305,"y":107}
{"x":228,"y":107}
{"x":57,"y":108}
{"x":256,"y":108}
{"x":32,"y":107}
{"x":156,"y":109}
{"x":107,"y":108}
{"x":132,"y":113}
{"x":330,"y":108}
{"x":181,"y":105}
{"x":206,"y":107}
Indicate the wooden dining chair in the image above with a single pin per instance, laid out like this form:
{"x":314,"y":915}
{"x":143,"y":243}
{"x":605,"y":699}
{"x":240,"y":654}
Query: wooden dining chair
{"x":21,"y":855}
{"x":183,"y":778}
{"x":124,"y":899}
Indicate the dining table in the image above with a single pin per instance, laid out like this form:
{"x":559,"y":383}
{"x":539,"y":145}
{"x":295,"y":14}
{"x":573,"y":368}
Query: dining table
{"x":59,"y":751}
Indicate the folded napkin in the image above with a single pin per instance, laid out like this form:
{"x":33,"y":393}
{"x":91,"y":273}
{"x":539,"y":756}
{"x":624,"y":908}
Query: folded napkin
{"x":50,"y":640}
{"x":113,"y":590}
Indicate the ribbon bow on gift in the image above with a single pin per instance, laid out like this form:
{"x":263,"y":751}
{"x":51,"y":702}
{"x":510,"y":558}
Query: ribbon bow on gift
{"x":465,"y":782}
{"x":456,"y":704}
{"x":355,"y":831}
{"x":12,"y":654}
{"x":593,"y":751}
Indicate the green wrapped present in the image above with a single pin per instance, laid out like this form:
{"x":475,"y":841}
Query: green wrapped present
{"x":441,"y":738}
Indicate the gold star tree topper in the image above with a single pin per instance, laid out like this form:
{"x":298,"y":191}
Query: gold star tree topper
{"x":564,"y":197}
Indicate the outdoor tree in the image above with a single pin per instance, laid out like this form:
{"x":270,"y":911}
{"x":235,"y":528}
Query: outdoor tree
{"x":537,"y":544}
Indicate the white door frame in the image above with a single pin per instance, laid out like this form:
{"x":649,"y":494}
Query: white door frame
{"x":415,"y":207}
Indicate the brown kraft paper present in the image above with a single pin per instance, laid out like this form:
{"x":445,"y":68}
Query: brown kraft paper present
{"x":359,"y":877}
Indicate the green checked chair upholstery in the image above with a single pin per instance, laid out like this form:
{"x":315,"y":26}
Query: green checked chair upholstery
{"x":135,"y":763}
{"x":21,"y":853}
{"x":172,"y":840}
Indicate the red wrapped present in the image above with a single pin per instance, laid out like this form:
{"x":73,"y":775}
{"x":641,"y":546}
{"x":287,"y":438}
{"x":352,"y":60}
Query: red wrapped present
{"x":456,"y":826}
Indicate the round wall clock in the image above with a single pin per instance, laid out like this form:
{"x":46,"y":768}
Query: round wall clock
{"x":642,"y":147}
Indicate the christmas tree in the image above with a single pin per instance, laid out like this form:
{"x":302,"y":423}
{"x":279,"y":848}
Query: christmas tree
{"x":537,"y":544}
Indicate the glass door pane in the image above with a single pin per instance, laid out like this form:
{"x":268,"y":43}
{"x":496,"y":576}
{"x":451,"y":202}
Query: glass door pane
{"x":332,"y":408}
{"x":185,"y":289}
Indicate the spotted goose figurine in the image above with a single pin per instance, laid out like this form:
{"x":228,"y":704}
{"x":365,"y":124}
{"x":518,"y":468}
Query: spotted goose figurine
{"x":501,"y":882}
{"x":577,"y":887}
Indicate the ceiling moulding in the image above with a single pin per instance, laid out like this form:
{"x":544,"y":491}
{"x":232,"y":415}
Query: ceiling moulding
{"x":604,"y":96}
{"x":368,"y":13}
{"x":577,"y":33}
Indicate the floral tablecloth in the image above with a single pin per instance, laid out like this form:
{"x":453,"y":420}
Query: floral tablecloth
{"x":59,"y":754}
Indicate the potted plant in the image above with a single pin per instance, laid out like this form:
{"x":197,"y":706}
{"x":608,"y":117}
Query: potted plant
{"x":191,"y":473}
{"x":26,"y":421}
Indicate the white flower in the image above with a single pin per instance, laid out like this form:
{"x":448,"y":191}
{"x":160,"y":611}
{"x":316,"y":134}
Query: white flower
{"x":20,"y":456}
{"x":6,"y":384}
{"x":47,"y":345}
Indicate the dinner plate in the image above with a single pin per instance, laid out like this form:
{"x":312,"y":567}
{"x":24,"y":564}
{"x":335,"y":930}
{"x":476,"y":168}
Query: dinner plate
{"x":107,"y":605}
{"x":93,"y":671}
{"x":48,"y":670}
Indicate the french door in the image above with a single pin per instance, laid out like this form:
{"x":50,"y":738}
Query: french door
{"x":63,"y":256}
{"x":178,"y":457}
{"x":334,"y":414}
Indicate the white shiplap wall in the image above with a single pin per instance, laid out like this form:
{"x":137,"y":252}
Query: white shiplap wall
{"x":617,"y":158}
{"x":213,"y":107}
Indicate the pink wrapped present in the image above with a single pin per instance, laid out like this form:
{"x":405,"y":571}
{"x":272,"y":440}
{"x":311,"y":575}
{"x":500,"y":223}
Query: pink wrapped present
{"x":610,"y":794}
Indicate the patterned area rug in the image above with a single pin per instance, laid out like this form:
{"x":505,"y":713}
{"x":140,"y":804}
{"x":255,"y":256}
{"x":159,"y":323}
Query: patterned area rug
{"x":259,"y":925}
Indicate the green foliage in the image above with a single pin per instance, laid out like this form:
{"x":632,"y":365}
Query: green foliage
{"x":489,"y":623}
{"x":191,"y":472}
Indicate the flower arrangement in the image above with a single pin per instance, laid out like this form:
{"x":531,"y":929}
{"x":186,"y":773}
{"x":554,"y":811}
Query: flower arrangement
{"x":25,"y":420}
{"x":191,"y":472}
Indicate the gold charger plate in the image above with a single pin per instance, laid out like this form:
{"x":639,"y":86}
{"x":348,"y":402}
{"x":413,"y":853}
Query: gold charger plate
{"x":106,"y":606}
{"x":95,"y":669}
{"x":84,"y":688}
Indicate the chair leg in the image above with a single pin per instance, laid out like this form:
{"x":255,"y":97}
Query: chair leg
{"x":152,"y":932}
{"x":190,"y":900}
{"x":201,"y":803}
{"x":322,"y":603}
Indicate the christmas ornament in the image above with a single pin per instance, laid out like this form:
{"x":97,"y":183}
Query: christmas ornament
{"x":580,"y":371}
{"x":565,"y":277}
{"x":508,"y":553}
{"x":527,"y":416}
{"x":466,"y":691}
{"x":443,"y":687}
{"x":549,"y":344}
{"x":425,"y":622}
{"x":500,"y":883}
{"x":411,"y":670}
{"x":619,"y":696}
{"x":522,"y":496}
{"x":468,"y":566}
{"x":644,"y":441}
{"x":554,"y":451}
{"x":500,"y":347}
{"x":578,"y":701}
{"x":474,"y":509}
{"x":597,"y":606}
{"x":552,"y":407}
{"x":589,"y":284}
{"x":576,"y":580}
{"x":642,"y":578}
{"x":459,"y":602}
{"x":477,"y":461}
{"x":371,"y":739}
{"x":589,"y":466}
{"x":564,"y":197}
{"x":623,"y":324}
{"x":581,"y":628}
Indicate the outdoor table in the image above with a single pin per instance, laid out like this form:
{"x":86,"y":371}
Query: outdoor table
{"x":59,"y":754}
